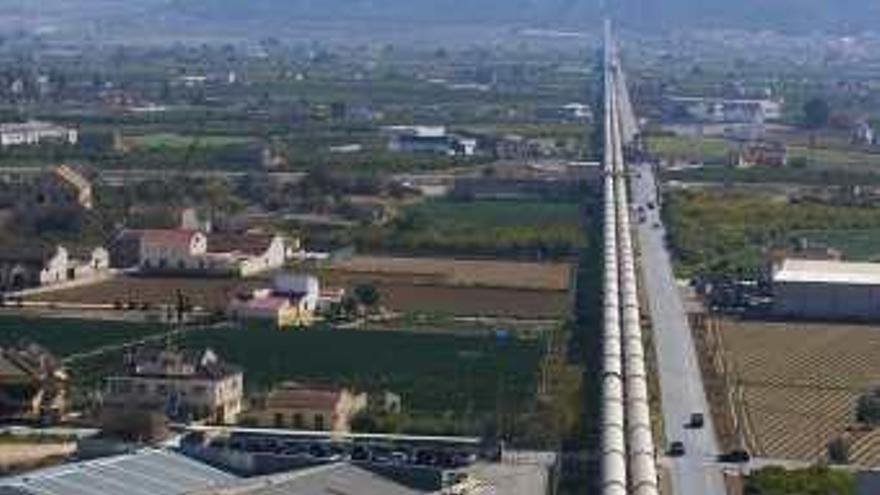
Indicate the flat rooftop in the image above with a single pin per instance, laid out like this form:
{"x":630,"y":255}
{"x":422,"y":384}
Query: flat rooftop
{"x":827,"y":272}
{"x":147,"y":472}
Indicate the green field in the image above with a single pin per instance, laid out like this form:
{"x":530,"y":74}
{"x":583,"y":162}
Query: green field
{"x":707,"y":149}
{"x":431,"y":372}
{"x":67,"y":336}
{"x":855,"y":244}
{"x":173,"y":140}
{"x":513,"y":228}
{"x":836,"y":159}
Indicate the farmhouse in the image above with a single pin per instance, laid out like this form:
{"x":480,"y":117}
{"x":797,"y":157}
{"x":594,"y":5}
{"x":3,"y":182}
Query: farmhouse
{"x":181,"y":251}
{"x":291,"y":301}
{"x":183,"y":385}
{"x":24,"y":266}
{"x":310,"y":407}
{"x":827,"y":289}
{"x":32,"y":384}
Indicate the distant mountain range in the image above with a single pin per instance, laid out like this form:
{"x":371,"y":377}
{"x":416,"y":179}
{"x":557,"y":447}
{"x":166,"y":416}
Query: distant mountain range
{"x":785,"y":15}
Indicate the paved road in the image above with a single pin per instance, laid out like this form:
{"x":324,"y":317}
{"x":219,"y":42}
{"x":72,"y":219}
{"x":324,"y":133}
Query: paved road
{"x":681,"y":382}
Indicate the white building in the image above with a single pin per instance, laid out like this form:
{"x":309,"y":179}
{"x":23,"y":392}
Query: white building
{"x":29,"y":266}
{"x":823,"y":289}
{"x":708,"y":109}
{"x":428,"y":139}
{"x":292,"y":301}
{"x":34,"y":132}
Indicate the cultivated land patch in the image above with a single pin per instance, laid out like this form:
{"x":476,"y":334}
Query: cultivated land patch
{"x":799,"y":383}
{"x":460,"y":287}
{"x":209,"y":293}
{"x":464,"y":273}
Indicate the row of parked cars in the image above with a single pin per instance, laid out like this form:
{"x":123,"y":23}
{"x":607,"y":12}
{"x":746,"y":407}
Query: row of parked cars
{"x":359,"y":452}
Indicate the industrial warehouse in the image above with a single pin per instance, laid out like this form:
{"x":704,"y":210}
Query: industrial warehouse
{"x":824,"y":289}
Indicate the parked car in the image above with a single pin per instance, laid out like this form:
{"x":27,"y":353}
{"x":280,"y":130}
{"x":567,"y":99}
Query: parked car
{"x":696,"y":421}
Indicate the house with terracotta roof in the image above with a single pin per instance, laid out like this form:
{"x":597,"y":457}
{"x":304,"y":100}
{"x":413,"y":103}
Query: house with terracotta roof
{"x":307,"y":407}
{"x":191,"y":384}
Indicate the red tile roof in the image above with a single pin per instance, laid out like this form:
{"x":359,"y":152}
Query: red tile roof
{"x":298,"y":396}
{"x":251,"y":244}
{"x":178,"y":237}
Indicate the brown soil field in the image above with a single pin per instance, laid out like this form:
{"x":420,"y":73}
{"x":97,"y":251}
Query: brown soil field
{"x":425,"y":285}
{"x":209,"y":293}
{"x":463,"y":273}
{"x":799,"y":384}
{"x":466,"y":301}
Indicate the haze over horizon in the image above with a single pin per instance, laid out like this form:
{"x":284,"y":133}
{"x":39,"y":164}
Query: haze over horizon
{"x":795,"y":16}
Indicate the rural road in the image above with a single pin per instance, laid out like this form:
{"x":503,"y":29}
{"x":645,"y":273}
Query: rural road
{"x":681,"y":382}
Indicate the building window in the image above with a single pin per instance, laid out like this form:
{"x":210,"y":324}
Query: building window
{"x":298,"y":421}
{"x":279,"y":420}
{"x":319,"y":421}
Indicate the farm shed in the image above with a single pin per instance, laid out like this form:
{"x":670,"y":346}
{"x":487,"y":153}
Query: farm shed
{"x":827,"y":289}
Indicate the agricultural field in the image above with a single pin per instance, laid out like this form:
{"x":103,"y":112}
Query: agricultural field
{"x":464,"y":273}
{"x":710,"y":150}
{"x":64,"y":337}
{"x":433,"y":373}
{"x":533,"y":230}
{"x":209,"y":293}
{"x":172,"y":140}
{"x":724,"y":231}
{"x":460,"y":287}
{"x":799,"y":384}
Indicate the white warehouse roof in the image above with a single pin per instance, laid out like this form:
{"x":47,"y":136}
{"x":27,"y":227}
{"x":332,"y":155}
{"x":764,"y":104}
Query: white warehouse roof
{"x":827,"y":272}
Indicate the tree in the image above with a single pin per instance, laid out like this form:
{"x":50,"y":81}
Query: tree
{"x":868,"y":408}
{"x":817,"y":112}
{"x":367,"y":294}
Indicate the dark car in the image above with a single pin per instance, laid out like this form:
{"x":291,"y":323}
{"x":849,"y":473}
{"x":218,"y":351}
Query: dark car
{"x":696,"y":421}
{"x":676,"y":449}
{"x":738,"y":456}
